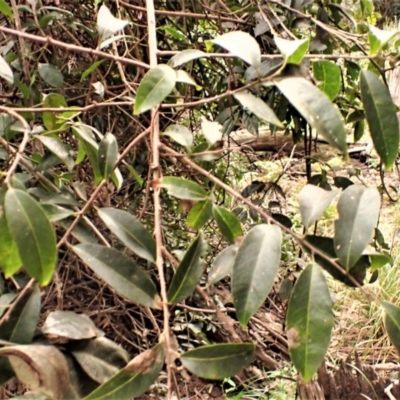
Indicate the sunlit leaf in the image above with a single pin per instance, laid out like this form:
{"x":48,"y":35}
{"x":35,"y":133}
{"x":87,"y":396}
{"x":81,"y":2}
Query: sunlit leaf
{"x":293,"y":51}
{"x":180,"y":134}
{"x":107,"y":154}
{"x":211,"y":130}
{"x":120,"y":272}
{"x":183,"y":189}
{"x":5,"y":9}
{"x":51,"y":75}
{"x":309,"y":321}
{"x":254,"y":269}
{"x":378,"y":38}
{"x":107,"y":24}
{"x":189,"y":271}
{"x":52,"y":100}
{"x":218,"y":361}
{"x":222,"y":265}
{"x":33,"y":234}
{"x":329,"y":77}
{"x":6,"y":71}
{"x":185,"y":56}
{"x":199,"y":214}
{"x":184,"y":77}
{"x":358,"y":209}
{"x":130,"y":231}
{"x":155,"y":86}
{"x":228,"y":223}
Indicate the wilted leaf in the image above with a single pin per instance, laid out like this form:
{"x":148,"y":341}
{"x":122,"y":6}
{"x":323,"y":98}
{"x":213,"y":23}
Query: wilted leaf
{"x":313,"y":202}
{"x":185,"y":56}
{"x":120,"y":272}
{"x":59,"y":149}
{"x":199,"y":214}
{"x":107,"y":154}
{"x":183,"y":189}
{"x":180,"y":134}
{"x":218,"y":361}
{"x":227,"y":222}
{"x":155,"y":86}
{"x":130,"y":231}
{"x":254,"y":269}
{"x":328,"y":75}
{"x":222,"y":265}
{"x":51,"y":75}
{"x":381,"y":115}
{"x":189,"y":271}
{"x":107,"y":24}
{"x":358,"y":209}
{"x":309,"y":321}
{"x":33,"y":234}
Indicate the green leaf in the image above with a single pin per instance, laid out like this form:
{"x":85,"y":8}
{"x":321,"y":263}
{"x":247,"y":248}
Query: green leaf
{"x":130,"y":231}
{"x":254,"y":269}
{"x":218,"y":361}
{"x":107,"y":154}
{"x":92,"y":155}
{"x":51,"y":75}
{"x":358,"y":209}
{"x":134,"y":379}
{"x":258,"y":107}
{"x":89,"y":70}
{"x":313,"y":202}
{"x":183,"y":189}
{"x":6,"y":71}
{"x":329,"y":76}
{"x":6,"y":9}
{"x":184,"y":77}
{"x":392,"y":323}
{"x":293,"y":51}
{"x":222,"y":265}
{"x":199,"y":214}
{"x":241,"y":45}
{"x":52,"y":100}
{"x":120,"y":272}
{"x":185,"y":56}
{"x":228,"y":223}
{"x":189,"y":271}
{"x":69,"y":325}
{"x":380,"y":113}
{"x":33,"y":234}
{"x":309,"y":321}
{"x":180,"y":134}
{"x":59,"y":149}
{"x":378,"y":38}
{"x":316,"y":108}
{"x":155,"y":86}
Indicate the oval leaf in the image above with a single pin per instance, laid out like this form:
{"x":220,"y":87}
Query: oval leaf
{"x":59,"y":149}
{"x":358,"y":209}
{"x":199,"y":214}
{"x":107,"y":154}
{"x":107,"y":24}
{"x":155,"y":86}
{"x":313,"y":202}
{"x":329,"y":76}
{"x":52,"y":100}
{"x":218,"y":361}
{"x":242,"y":45}
{"x":316,"y":108}
{"x":180,"y":134}
{"x":254,"y":269}
{"x":185,"y":56}
{"x":392,"y":323}
{"x":134,"y":379}
{"x":33,"y":234}
{"x":222,"y":265}
{"x":309,"y":321}
{"x":51,"y":75}
{"x":189,"y":271}
{"x":228,"y":223}
{"x":130,"y":231}
{"x":120,"y":272}
{"x":380,"y":113}
{"x":258,"y":107}
{"x":183,"y":189}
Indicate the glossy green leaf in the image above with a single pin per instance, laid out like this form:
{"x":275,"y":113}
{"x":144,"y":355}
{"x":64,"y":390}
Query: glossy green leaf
{"x":56,"y":213}
{"x":316,"y":108}
{"x":52,"y":100}
{"x":63,"y":198}
{"x":199,"y":214}
{"x":51,"y":75}
{"x":5,"y":9}
{"x":120,"y":272}
{"x":257,"y":107}
{"x":183,"y":188}
{"x":92,"y":68}
{"x":186,"y":56}
{"x":59,"y":149}
{"x":134,"y":379}
{"x":155,"y":86}
{"x":228,"y":223}
{"x":189,"y":271}
{"x":241,"y":45}
{"x":392,"y":323}
{"x":69,"y":325}
{"x":378,"y":38}
{"x":293,"y":51}
{"x":180,"y":134}
{"x":130,"y":231}
{"x":329,"y":77}
{"x":6,"y":71}
{"x":33,"y":234}
{"x":107,"y":154}
{"x":309,"y":321}
{"x":218,"y":361}
{"x":358,"y":209}
{"x":254,"y":269}
{"x":313,"y":202}
{"x":100,"y":358}
{"x":222,"y":265}
{"x":381,"y":115}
